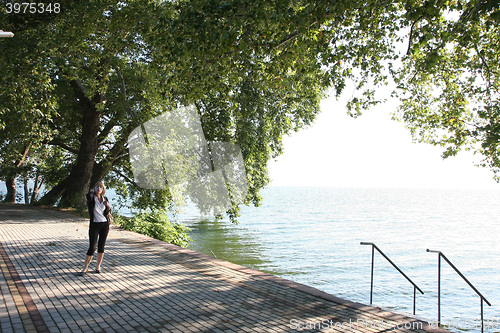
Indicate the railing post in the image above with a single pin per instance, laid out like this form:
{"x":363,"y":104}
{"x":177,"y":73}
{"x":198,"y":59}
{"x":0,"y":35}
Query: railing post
{"x":439,"y":289}
{"x":371,"y":284}
{"x":482,"y":321}
{"x":414,"y":298}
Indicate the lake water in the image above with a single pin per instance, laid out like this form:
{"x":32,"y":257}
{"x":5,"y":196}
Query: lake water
{"x":313,"y":235}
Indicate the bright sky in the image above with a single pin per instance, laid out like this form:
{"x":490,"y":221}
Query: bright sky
{"x":370,"y":151}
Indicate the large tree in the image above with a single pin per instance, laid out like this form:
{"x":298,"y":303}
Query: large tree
{"x":449,"y":81}
{"x":27,"y":108}
{"x":254,"y":70}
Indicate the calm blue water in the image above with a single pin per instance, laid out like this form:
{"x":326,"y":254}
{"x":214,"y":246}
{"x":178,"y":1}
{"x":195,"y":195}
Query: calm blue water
{"x":313,"y":235}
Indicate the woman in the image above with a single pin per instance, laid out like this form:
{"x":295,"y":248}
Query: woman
{"x":99,"y":207}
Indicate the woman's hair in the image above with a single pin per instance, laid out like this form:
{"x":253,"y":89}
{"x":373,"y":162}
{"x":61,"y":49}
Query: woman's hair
{"x":99,"y":184}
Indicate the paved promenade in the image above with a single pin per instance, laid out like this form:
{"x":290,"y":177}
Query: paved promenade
{"x":151,"y":286}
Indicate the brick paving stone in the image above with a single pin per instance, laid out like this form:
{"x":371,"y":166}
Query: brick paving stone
{"x":150,"y":286}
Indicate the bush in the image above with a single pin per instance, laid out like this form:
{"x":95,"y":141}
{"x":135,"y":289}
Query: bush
{"x":157,"y":225}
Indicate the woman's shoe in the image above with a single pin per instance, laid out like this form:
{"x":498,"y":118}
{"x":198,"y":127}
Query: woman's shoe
{"x":98,"y":271}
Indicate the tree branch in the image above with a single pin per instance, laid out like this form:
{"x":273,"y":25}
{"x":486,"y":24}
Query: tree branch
{"x":25,"y":153}
{"x":287,"y":39}
{"x":124,"y":176}
{"x":57,"y":142}
{"x":105,"y":131}
{"x":486,"y":68}
{"x":410,"y":38}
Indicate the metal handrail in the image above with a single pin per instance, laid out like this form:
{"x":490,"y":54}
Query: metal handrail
{"x":415,"y":287}
{"x":440,"y":254}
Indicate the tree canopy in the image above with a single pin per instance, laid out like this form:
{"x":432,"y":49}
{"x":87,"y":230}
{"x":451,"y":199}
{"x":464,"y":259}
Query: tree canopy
{"x":76,"y":83}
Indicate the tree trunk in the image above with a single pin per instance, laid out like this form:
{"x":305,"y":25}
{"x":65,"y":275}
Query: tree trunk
{"x":78,"y":181}
{"x":51,"y":197}
{"x":39,"y":180}
{"x":10,"y":182}
{"x":26,"y":191}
